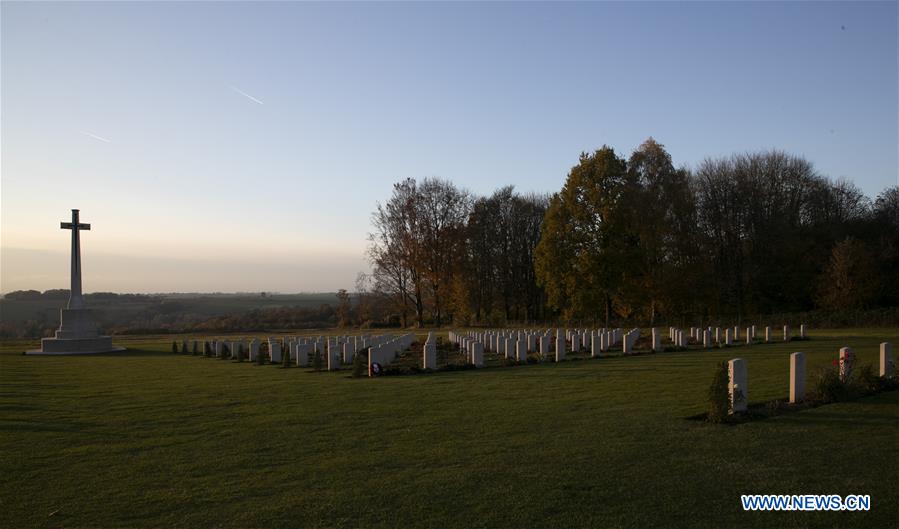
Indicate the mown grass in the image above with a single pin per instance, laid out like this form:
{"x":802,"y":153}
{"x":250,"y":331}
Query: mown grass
{"x":150,"y":439}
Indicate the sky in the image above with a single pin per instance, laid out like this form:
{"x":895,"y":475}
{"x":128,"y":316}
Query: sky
{"x":220,"y":147}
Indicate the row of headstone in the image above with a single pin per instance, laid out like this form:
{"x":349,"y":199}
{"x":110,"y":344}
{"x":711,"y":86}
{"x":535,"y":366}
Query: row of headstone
{"x":738,"y":377}
{"x":336,"y":350}
{"x":386,"y":351}
{"x":711,"y":336}
{"x":548,"y":343}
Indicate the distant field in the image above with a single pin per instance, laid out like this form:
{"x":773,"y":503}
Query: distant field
{"x":126,"y":310}
{"x":150,"y":439}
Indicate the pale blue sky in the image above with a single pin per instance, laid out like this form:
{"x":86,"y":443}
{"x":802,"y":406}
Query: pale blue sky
{"x":200,"y":188}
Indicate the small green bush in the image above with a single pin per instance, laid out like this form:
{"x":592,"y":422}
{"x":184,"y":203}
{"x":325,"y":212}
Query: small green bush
{"x":174,"y":347}
{"x":777,"y":406}
{"x":718,"y":395}
{"x":207,"y":349}
{"x":317,"y":361}
{"x":827,"y":387}
{"x":360,"y":365}
{"x":194,"y":350}
{"x":866,"y":380}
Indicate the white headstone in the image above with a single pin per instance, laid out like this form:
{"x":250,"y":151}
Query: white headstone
{"x":303,"y":350}
{"x":274,"y":349}
{"x":430,"y":354}
{"x":544,"y":346}
{"x":477,"y":354}
{"x":797,"y":377}
{"x":886,"y":360}
{"x":847,"y":359}
{"x":521,"y":351}
{"x":335,"y":351}
{"x":737,"y":386}
{"x":560,"y":345}
{"x":656,"y":340}
{"x":254,"y":349}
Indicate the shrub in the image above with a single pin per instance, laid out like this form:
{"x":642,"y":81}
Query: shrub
{"x":194,"y":349}
{"x":827,"y":387}
{"x":317,"y":361}
{"x":775,"y":407}
{"x":360,"y":365}
{"x":226,"y":351}
{"x":240,"y":352}
{"x":718,"y":395}
{"x":866,"y":380}
{"x":174,"y":347}
{"x":260,"y":355}
{"x":285,"y":358}
{"x":207,"y":349}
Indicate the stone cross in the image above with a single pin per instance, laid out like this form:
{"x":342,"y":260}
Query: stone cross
{"x":76,"y":301}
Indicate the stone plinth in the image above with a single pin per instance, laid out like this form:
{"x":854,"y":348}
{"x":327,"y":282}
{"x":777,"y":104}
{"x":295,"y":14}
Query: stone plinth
{"x":77,"y":334}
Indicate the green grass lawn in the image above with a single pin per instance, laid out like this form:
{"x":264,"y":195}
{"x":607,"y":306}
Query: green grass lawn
{"x":150,"y":439}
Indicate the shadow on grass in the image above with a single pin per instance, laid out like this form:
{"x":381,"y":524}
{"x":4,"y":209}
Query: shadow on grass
{"x":759,"y":411}
{"x":125,"y":353}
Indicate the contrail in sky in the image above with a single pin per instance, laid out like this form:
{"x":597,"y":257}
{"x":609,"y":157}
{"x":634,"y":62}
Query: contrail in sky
{"x":94,"y":136}
{"x":246,"y":95}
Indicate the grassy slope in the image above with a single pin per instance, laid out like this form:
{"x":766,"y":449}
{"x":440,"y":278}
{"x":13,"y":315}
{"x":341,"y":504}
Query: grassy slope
{"x":149,"y":439}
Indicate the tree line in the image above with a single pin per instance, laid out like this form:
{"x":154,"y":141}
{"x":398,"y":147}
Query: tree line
{"x":637,"y":240}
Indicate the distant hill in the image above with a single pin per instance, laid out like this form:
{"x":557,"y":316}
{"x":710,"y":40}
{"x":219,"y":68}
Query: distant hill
{"x":31,"y":313}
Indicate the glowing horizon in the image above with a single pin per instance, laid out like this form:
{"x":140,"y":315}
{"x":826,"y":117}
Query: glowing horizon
{"x":248,"y":155}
